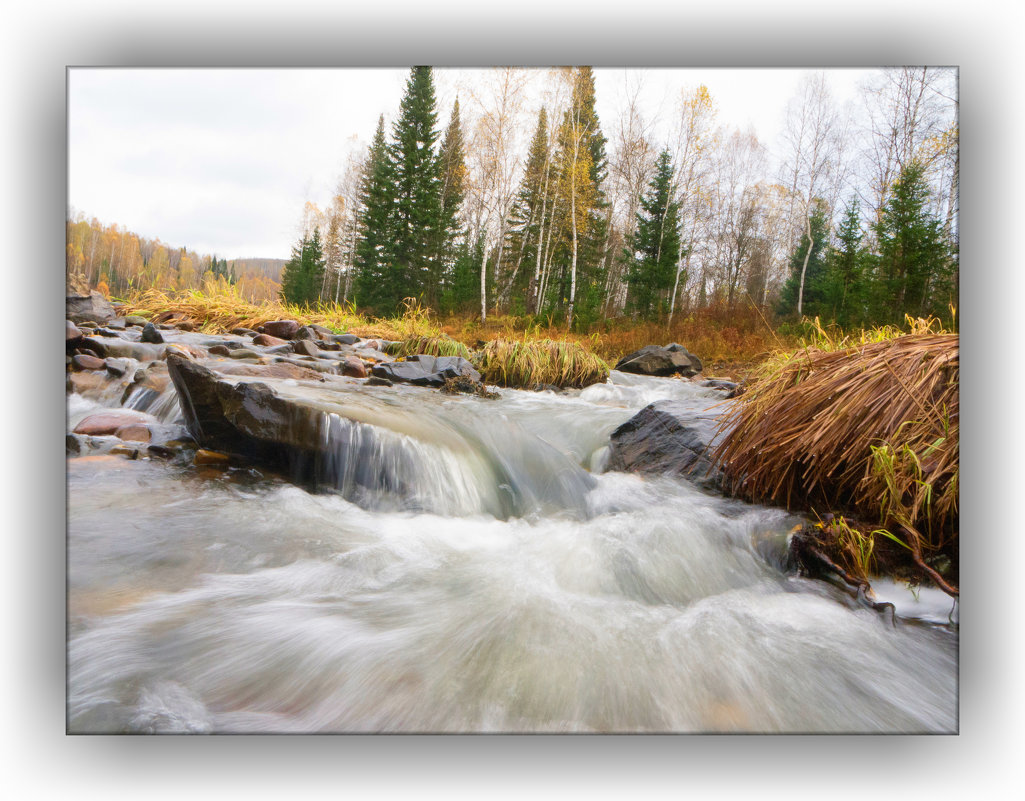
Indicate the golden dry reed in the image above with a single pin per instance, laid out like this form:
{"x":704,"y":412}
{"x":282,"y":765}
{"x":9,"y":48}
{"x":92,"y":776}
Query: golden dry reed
{"x":532,"y":363}
{"x":873,"y":427}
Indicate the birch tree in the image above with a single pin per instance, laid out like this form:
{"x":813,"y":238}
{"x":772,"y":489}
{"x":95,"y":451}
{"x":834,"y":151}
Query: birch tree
{"x":494,"y":163}
{"x":811,"y":140}
{"x":695,"y":142}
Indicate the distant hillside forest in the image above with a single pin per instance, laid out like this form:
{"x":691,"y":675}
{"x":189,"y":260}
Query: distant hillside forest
{"x":118,"y":261}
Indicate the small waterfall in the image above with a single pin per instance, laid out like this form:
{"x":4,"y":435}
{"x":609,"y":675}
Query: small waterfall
{"x":456,"y":465}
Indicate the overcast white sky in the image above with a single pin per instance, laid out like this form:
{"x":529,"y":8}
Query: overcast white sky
{"x":221,"y":161}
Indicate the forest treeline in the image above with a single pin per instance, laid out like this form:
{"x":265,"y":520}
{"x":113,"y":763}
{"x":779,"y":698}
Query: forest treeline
{"x":857,"y":223}
{"x":522,"y":201}
{"x":117,"y":261}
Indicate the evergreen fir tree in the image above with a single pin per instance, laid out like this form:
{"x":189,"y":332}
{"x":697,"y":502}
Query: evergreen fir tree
{"x":416,"y":177}
{"x":462,"y":292}
{"x":372,"y":258}
{"x":843,"y":289}
{"x":815,"y":272}
{"x":655,"y":245}
{"x":453,"y":172}
{"x":304,"y":272}
{"x":913,"y":268}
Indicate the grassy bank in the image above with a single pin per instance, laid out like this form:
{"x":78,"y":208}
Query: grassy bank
{"x":728,"y":341}
{"x":866,"y":424}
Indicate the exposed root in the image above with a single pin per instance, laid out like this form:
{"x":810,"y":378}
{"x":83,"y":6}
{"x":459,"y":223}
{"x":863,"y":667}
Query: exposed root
{"x":812,"y":560}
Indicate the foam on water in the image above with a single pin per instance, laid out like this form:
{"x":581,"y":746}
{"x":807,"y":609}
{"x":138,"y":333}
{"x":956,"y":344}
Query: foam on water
{"x":603,"y":602}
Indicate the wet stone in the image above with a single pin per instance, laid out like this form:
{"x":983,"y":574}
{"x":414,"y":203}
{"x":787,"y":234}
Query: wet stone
{"x":267,"y":340}
{"x":208,"y":458}
{"x":135,"y":320}
{"x":354,"y":368}
{"x":84,"y":361}
{"x":304,"y":347}
{"x":109,"y":422}
{"x":283,"y":329}
{"x":125,"y":450}
{"x":152,"y":335}
{"x":135,"y":432}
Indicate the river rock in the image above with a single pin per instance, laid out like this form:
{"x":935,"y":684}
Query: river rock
{"x":109,"y":422}
{"x":353,"y":367}
{"x":268,"y":341}
{"x":731,"y":388}
{"x":72,"y":333}
{"x":243,"y":332}
{"x":219,"y":350}
{"x":117,"y":367}
{"x":304,"y":347}
{"x":135,"y":432}
{"x":272,"y":370}
{"x":207,"y":457}
{"x":283,"y":329}
{"x":92,"y":307}
{"x":134,"y":319}
{"x":424,"y":370}
{"x":346,"y":339}
{"x":83,"y":361}
{"x":128,"y":451}
{"x":668,"y":438}
{"x":247,"y":418}
{"x":659,"y":361}
{"x":122,"y":348}
{"x":152,"y":335}
{"x":85,"y":382}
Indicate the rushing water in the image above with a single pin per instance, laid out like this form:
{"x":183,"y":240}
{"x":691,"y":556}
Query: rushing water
{"x":473,"y":570}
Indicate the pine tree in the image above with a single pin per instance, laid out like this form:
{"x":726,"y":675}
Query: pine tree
{"x":655,"y":245}
{"x":373,"y":244}
{"x":462,"y":292}
{"x":913,"y":270}
{"x":453,"y":172}
{"x":843,"y":289}
{"x":813,"y":300}
{"x":303,"y":273}
{"x":416,"y":176}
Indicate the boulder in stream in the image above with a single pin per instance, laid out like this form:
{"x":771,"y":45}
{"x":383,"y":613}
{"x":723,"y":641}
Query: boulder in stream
{"x":428,"y":371}
{"x":659,"y":361}
{"x":282,"y":329}
{"x":92,"y":307}
{"x":668,"y":438}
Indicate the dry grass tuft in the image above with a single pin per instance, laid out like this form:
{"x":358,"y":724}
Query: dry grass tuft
{"x":432,"y":346}
{"x":531,"y":363}
{"x":873,"y":426}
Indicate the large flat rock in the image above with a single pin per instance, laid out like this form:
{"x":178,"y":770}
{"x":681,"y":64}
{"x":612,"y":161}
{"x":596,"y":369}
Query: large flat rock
{"x":429,"y":371}
{"x":668,"y":438}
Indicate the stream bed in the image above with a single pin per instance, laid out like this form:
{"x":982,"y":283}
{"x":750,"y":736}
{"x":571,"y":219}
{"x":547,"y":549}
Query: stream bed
{"x":496,"y":581}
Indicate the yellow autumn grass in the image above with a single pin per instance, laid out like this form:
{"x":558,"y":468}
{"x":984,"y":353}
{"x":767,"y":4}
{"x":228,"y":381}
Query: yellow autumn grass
{"x":533,"y":363}
{"x":872,"y":426}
